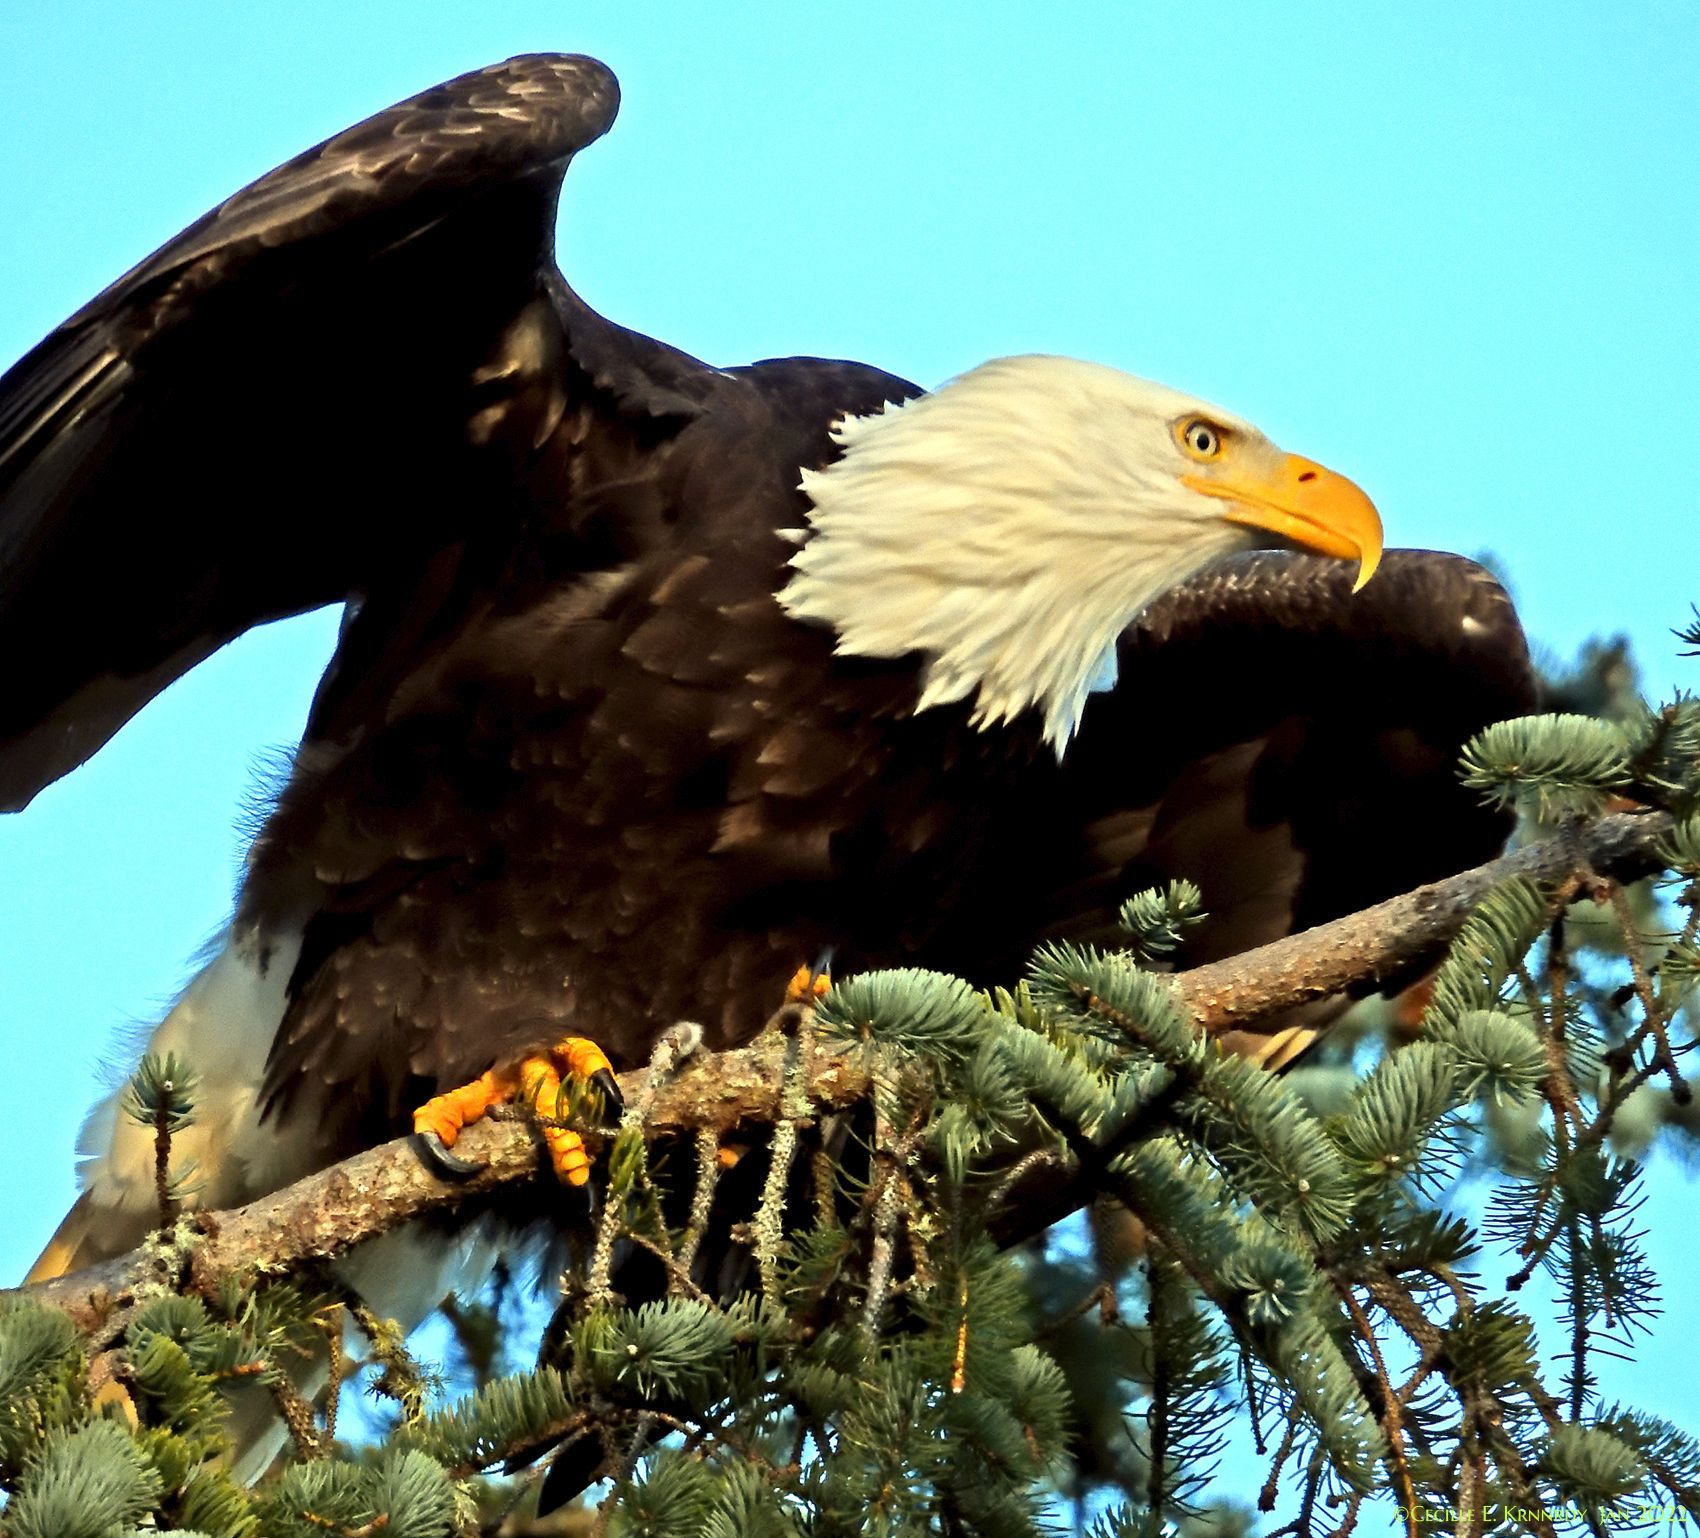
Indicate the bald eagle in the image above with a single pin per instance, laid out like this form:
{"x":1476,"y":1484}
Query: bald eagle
{"x":658,"y":679}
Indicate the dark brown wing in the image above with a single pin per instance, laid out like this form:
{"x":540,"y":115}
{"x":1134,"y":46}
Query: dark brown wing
{"x":315,"y":382}
{"x":1287,"y":744}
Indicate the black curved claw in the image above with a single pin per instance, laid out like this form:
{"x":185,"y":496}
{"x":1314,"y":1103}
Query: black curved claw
{"x":605,"y":1081}
{"x":434,"y":1152}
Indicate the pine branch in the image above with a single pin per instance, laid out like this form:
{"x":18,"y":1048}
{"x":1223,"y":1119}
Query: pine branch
{"x":323,"y":1216}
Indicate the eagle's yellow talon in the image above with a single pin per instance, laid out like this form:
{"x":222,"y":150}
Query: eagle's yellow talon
{"x":581,"y":1057}
{"x":542,"y":1083}
{"x":807,"y":984}
{"x":538,"y":1080}
{"x":444,"y":1115}
{"x":567,"y":1154}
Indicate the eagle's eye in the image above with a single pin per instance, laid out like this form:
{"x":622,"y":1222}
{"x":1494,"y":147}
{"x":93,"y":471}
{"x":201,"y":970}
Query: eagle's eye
{"x":1200,"y":439}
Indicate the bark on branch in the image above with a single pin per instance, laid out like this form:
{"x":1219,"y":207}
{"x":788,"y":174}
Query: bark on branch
{"x":1396,"y":941}
{"x":325,"y":1215}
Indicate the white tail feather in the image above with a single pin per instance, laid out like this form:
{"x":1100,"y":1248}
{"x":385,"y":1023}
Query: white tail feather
{"x":222,"y":1027}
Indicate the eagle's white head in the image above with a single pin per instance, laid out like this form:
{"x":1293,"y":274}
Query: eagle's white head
{"x":1008,"y":526}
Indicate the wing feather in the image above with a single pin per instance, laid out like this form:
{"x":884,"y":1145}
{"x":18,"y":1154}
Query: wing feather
{"x":279,"y":401}
{"x":1285,"y":743}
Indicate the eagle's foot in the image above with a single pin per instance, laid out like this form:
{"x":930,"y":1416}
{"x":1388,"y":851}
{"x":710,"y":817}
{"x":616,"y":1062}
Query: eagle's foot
{"x":578,"y":1057}
{"x":536,"y":1079}
{"x":437,"y":1123}
{"x":808,"y":984}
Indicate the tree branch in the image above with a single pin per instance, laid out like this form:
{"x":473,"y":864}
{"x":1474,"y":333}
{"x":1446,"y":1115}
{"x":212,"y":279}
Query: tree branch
{"x":1396,"y":941}
{"x":325,"y":1215}
{"x":328,"y":1213}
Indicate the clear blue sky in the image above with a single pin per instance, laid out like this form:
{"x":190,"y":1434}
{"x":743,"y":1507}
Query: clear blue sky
{"x":1447,"y":250}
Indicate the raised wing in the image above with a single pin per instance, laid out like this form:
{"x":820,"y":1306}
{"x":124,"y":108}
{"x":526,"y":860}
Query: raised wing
{"x":319,"y":383}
